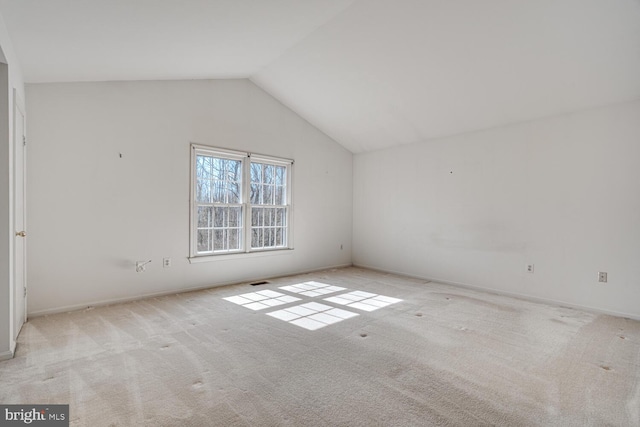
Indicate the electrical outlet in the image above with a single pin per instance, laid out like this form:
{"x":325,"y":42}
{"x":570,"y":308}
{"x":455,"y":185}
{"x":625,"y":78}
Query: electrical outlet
{"x":602,"y":276}
{"x":166,"y":262}
{"x":529,"y":268}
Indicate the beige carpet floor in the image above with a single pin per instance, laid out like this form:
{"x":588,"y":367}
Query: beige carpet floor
{"x":442,"y":356}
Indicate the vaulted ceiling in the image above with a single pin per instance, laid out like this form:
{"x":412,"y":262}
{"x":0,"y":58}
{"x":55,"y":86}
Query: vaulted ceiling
{"x":369,"y":73}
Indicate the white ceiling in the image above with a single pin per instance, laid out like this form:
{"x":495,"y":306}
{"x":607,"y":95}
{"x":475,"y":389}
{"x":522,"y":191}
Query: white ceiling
{"x":369,"y":73}
{"x":102,"y":40}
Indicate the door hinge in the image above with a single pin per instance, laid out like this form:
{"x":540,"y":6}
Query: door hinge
{"x":24,"y":140}
{"x":25,"y":291}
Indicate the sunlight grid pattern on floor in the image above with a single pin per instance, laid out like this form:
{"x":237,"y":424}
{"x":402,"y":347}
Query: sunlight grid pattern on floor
{"x":312,"y":289}
{"x":261,"y":299}
{"x":363,"y":300}
{"x":312,"y":315}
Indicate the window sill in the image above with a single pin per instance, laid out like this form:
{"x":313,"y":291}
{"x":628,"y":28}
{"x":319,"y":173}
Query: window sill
{"x":225,"y":257}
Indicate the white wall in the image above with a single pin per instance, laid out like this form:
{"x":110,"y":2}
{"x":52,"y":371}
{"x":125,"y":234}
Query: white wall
{"x":92,"y":214}
{"x":10,"y":78}
{"x":562,"y":193}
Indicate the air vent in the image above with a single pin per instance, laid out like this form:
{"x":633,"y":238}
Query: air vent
{"x":259,"y":283}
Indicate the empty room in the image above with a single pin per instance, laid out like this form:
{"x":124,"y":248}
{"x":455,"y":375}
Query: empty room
{"x":320,"y":212}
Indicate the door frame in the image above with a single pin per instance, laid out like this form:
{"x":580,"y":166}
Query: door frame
{"x":19,"y":144}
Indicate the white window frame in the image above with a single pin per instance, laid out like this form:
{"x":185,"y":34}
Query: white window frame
{"x":247,"y":158}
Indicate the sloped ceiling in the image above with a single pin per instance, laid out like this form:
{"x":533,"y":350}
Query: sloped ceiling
{"x":385,"y":72}
{"x":369,"y":73}
{"x":101,"y":40}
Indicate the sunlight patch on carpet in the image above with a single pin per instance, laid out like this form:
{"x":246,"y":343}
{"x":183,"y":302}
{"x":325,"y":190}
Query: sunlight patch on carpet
{"x":363,"y":300}
{"x":312,"y":315}
{"x":261,"y":299}
{"x":312,"y":289}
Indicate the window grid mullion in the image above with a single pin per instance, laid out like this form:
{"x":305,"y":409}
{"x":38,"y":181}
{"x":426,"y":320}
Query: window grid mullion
{"x":246,"y":203}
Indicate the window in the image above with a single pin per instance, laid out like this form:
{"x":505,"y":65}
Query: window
{"x":268,"y":205}
{"x":240,"y":202}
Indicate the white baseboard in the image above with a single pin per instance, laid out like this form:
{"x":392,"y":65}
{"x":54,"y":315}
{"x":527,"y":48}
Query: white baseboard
{"x":527,"y":297}
{"x":6,"y":355}
{"x":83,"y":306}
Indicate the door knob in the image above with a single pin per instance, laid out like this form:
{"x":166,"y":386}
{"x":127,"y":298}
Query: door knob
{"x":21,"y":233}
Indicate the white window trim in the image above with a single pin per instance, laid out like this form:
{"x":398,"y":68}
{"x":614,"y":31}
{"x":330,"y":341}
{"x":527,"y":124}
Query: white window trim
{"x":246,"y":158}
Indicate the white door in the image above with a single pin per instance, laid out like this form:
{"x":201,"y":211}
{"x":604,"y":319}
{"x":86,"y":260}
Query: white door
{"x":20,"y":256}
